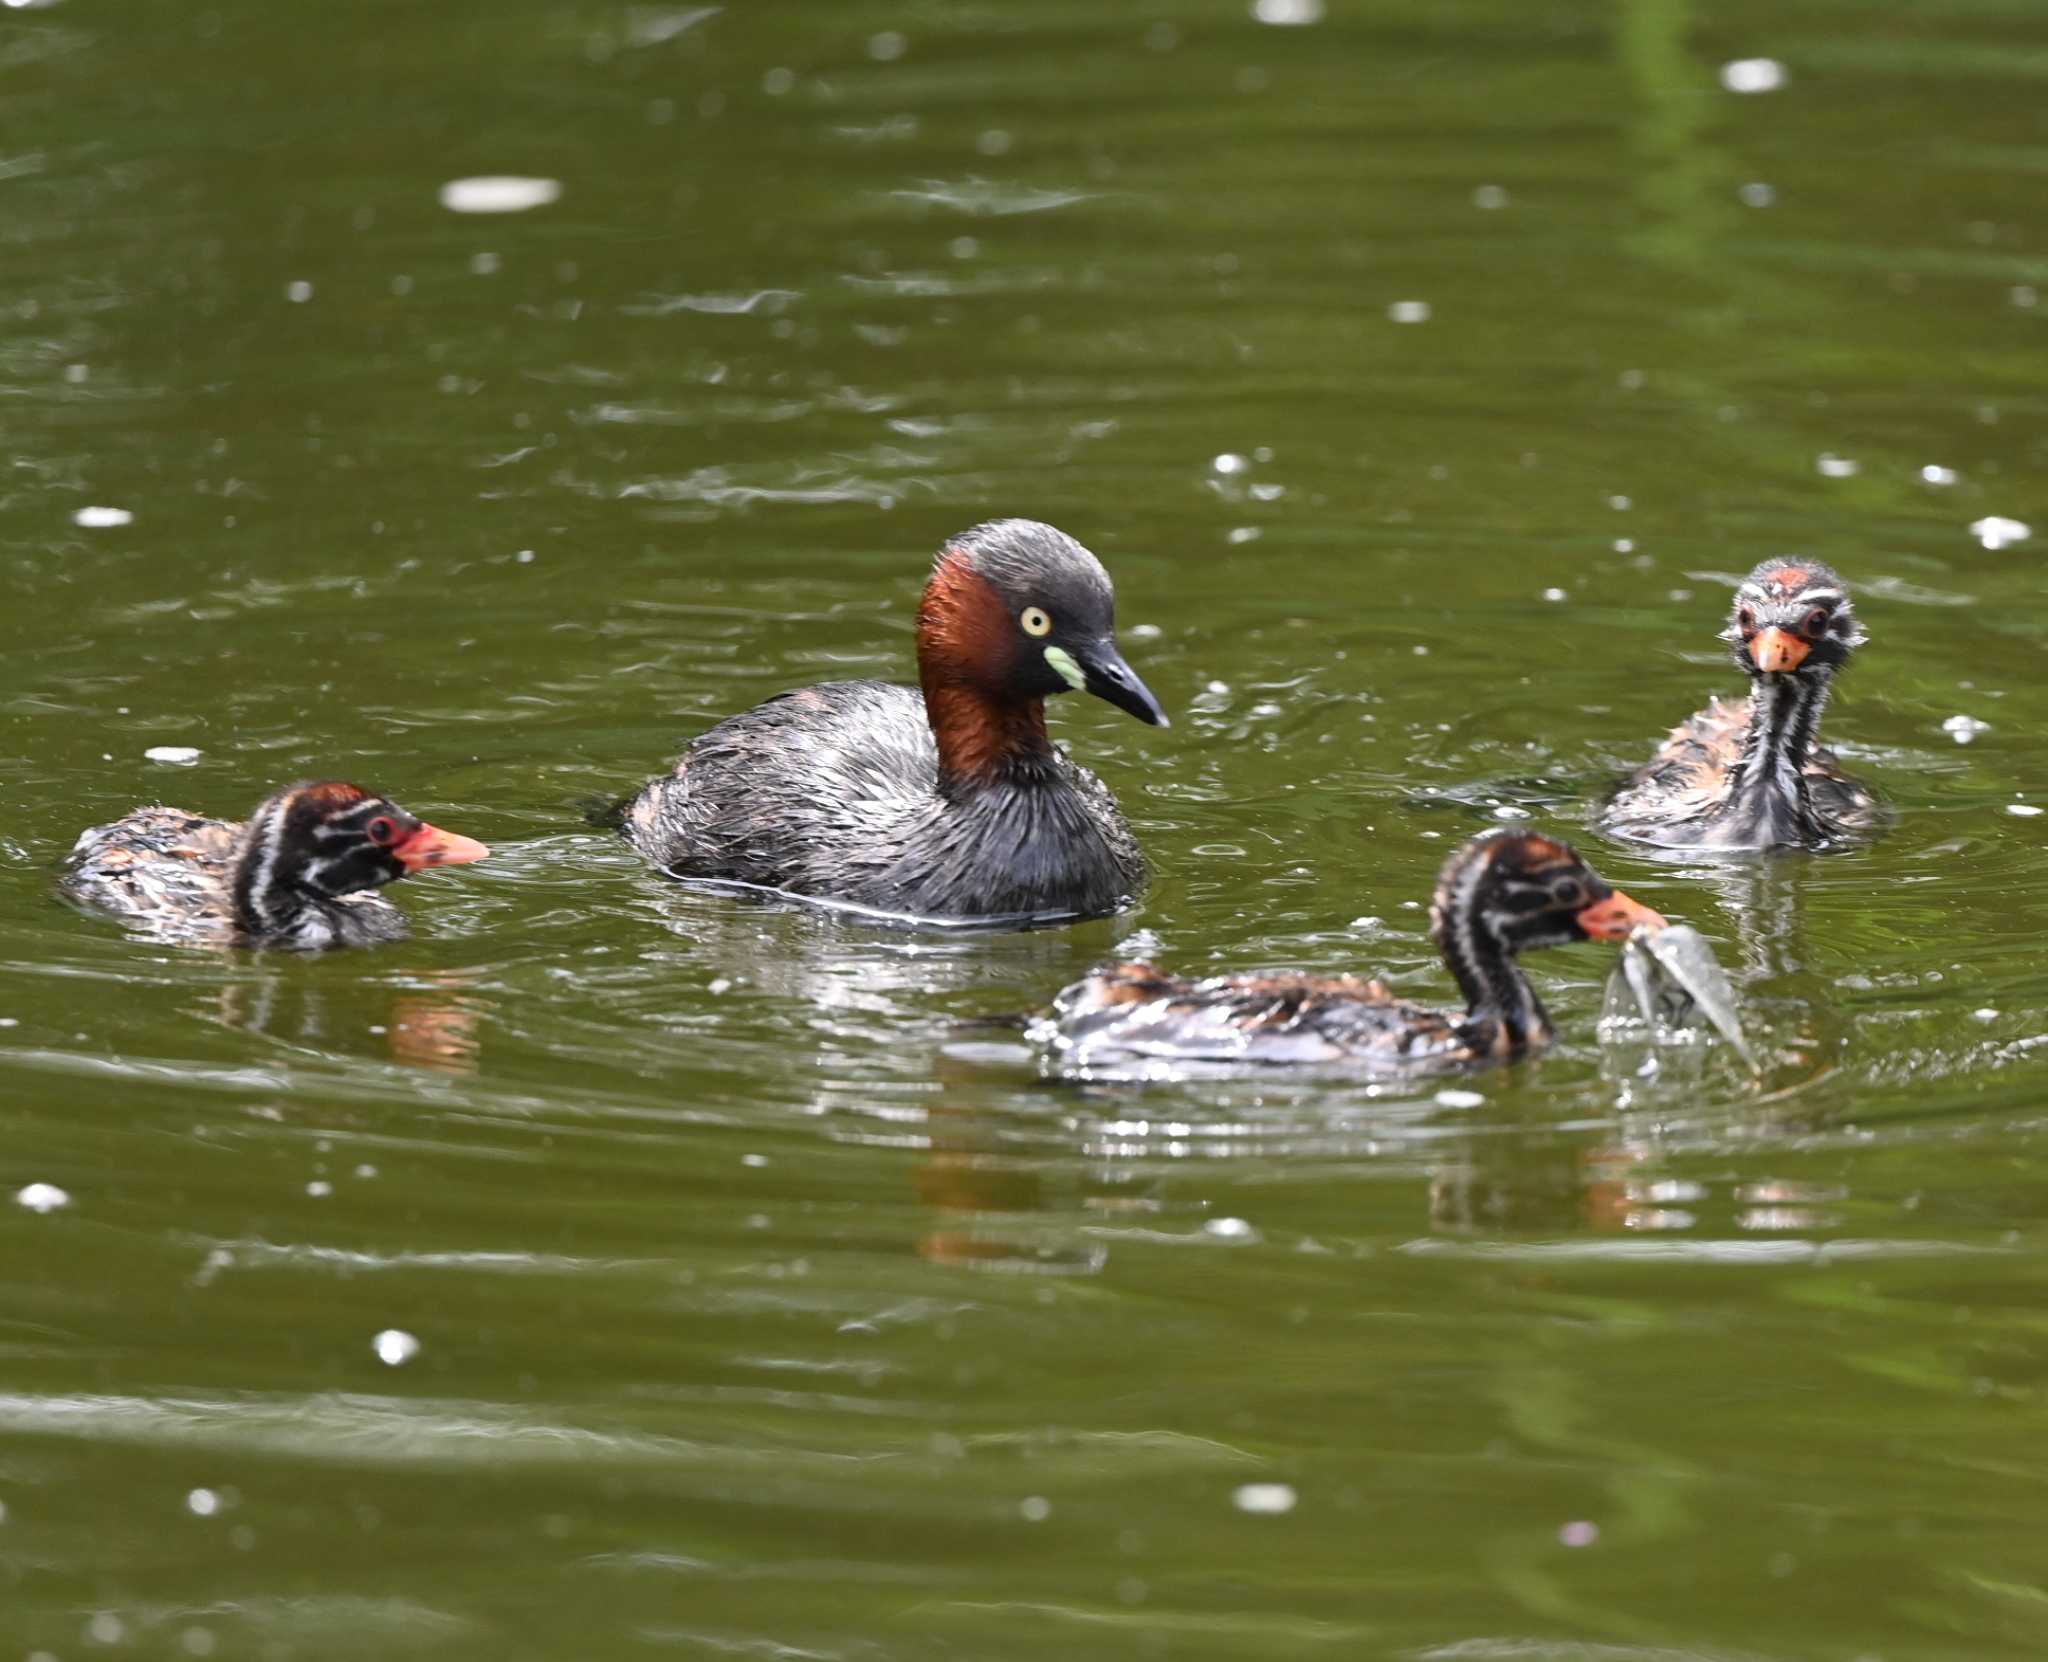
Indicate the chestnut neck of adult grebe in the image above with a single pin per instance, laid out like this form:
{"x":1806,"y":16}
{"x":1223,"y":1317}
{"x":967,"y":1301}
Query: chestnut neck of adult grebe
{"x":984,"y":736}
{"x":1502,"y":1011}
{"x":266,"y":901}
{"x":1784,"y":716}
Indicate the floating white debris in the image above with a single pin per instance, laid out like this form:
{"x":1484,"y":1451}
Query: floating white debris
{"x":1409,"y":311}
{"x":2022,"y":810}
{"x":1490,"y":197}
{"x":1964,"y":728}
{"x":41,"y":1197}
{"x":1507,"y":810}
{"x":1034,"y":1509}
{"x":395,"y":1347}
{"x":1230,"y":1229}
{"x":1288,"y":14}
{"x":1453,"y":1098}
{"x":1832,"y":466}
{"x":172,"y":755}
{"x":1986,"y":1014}
{"x":202,"y":1503}
{"x":100,"y":519}
{"x":1229,"y":462}
{"x":499,"y":193}
{"x":1753,"y":75}
{"x":1555,"y":594}
{"x":1996,"y":532}
{"x":298,"y":292}
{"x":1935,"y":474}
{"x":1269,"y":1500}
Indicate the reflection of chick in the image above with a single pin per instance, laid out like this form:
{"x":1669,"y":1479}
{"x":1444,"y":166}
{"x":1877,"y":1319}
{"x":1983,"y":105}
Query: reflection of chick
{"x":430,"y":1030}
{"x":428,"y":1027}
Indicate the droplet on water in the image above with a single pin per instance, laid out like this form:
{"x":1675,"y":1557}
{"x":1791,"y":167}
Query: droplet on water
{"x":1453,"y":1098}
{"x":1836,"y":467}
{"x":41,"y":1197}
{"x":1996,"y":532}
{"x":101,"y":519}
{"x":499,"y":193}
{"x":1935,"y":474}
{"x":1264,"y":1499}
{"x":172,"y":755}
{"x":394,"y":1347}
{"x":1963,"y":729}
{"x":1288,"y":14}
{"x":1753,"y":75}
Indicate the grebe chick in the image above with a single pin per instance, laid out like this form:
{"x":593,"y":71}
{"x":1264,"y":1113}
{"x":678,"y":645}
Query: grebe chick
{"x":298,"y":874}
{"x":1749,"y":775}
{"x":1502,"y":893}
{"x":946,"y":800}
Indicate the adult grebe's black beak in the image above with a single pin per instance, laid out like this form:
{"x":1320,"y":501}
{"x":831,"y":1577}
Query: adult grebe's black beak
{"x":1109,"y":678}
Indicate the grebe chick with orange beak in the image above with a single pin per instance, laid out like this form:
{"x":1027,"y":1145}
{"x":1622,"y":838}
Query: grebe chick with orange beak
{"x":1750,"y":775}
{"x":300,"y":873}
{"x":1503,"y":893}
{"x":944,"y":800}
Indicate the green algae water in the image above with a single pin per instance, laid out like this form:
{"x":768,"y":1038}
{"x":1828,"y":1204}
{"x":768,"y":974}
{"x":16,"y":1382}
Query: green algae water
{"x":621,"y":1271}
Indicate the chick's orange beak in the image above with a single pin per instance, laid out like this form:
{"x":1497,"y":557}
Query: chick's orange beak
{"x":1776,"y":649}
{"x":431,"y":846}
{"x":1613,"y":918}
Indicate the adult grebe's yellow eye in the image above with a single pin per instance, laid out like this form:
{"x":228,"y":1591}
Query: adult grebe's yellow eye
{"x":1035,"y":621}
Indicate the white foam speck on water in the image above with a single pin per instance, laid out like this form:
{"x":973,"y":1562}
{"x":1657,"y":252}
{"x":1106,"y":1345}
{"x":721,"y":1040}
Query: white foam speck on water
{"x":172,"y":755}
{"x":2022,"y":810}
{"x":1935,"y":474}
{"x":1230,"y":1229}
{"x":499,"y":193}
{"x":1270,"y":1500}
{"x":1996,"y":532}
{"x":1832,"y":466}
{"x":202,"y":1503}
{"x":41,"y":1197}
{"x":1753,"y":75}
{"x":395,"y":1347}
{"x":1453,"y":1098}
{"x":1963,"y":729}
{"x":1288,"y":14}
{"x":1409,"y":311}
{"x":101,"y":519}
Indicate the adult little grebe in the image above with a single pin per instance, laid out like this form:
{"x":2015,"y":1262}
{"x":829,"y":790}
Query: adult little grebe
{"x":1502,"y":893}
{"x":946,"y":800}
{"x":297,"y":874}
{"x":1749,"y":775}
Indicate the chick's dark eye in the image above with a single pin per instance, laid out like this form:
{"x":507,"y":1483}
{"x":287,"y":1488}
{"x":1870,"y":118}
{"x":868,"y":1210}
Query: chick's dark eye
{"x":1816,"y":621}
{"x":1568,"y":891}
{"x":382,"y":831}
{"x":1745,"y":620}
